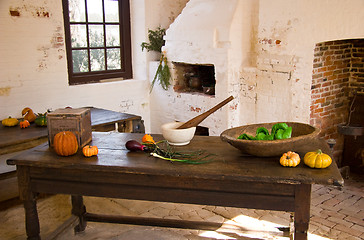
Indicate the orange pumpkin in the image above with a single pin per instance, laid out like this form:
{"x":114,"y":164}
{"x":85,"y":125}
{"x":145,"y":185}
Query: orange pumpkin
{"x":89,"y":151}
{"x":24,"y":124}
{"x":148,"y":139}
{"x":290,"y":159}
{"x":65,"y":143}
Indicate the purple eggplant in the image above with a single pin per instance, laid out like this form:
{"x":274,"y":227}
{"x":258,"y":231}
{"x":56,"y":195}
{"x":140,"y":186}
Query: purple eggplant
{"x":134,"y":146}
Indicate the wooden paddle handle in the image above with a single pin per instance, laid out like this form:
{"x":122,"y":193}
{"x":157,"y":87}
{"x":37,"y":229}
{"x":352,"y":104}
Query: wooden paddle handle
{"x":197,"y":120}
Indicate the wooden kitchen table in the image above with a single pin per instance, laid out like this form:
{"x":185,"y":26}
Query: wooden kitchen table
{"x":232,"y":179}
{"x":14,"y":139}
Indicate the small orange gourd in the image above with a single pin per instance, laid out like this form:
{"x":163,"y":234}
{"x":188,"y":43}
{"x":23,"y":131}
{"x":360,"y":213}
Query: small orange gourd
{"x":317,"y":159}
{"x":148,"y":139}
{"x":290,"y":159}
{"x":24,"y":124}
{"x":89,"y":151}
{"x":65,"y":143}
{"x":28,"y":114}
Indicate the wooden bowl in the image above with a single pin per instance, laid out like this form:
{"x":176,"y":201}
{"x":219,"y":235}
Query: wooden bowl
{"x":302,"y":134}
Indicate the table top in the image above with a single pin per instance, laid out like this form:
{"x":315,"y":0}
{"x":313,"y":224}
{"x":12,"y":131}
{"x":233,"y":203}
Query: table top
{"x":15,"y":135}
{"x":228,"y":163}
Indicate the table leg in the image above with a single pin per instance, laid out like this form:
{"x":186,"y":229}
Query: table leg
{"x":30,"y":203}
{"x":79,"y":210}
{"x":302,"y":211}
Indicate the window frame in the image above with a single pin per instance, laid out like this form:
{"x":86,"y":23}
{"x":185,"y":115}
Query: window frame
{"x":125,"y":48}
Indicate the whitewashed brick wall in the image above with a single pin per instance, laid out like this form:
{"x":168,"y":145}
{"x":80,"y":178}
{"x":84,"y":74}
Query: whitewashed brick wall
{"x":33,"y":67}
{"x":263,"y":56}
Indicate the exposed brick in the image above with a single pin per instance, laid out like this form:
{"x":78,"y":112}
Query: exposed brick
{"x":327,"y":74}
{"x":318,"y":110}
{"x":331,"y":68}
{"x":339,"y":73}
{"x":319,"y":75}
{"x":327,"y":84}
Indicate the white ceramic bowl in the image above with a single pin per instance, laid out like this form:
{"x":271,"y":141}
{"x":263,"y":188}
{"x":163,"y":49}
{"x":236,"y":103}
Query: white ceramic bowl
{"x":175,"y":136}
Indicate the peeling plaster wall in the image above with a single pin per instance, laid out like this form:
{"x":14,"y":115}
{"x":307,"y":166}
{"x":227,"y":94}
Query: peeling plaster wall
{"x":263,"y":56}
{"x":33,"y":67}
{"x":200,"y":28}
{"x":286,"y":38}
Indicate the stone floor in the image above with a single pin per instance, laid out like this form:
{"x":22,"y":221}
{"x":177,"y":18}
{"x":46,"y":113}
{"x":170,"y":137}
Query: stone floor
{"x":335,"y":214}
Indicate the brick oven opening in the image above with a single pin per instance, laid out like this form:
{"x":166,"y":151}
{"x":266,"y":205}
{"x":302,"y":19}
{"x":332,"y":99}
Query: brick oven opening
{"x":338,"y":79}
{"x":194,"y":78}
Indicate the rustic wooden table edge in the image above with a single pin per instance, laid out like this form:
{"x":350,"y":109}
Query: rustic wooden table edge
{"x":296,"y":197}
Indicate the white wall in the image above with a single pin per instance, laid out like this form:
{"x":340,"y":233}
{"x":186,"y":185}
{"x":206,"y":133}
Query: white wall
{"x":277,"y":41}
{"x":285,"y":41}
{"x":267,"y":47}
{"x":33,"y":67}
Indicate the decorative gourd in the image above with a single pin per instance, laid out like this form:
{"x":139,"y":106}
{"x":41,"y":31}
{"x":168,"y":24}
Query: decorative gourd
{"x":24,"y":124}
{"x":317,"y":159}
{"x":10,"y":122}
{"x":148,"y":139}
{"x":290,"y":159}
{"x":89,"y":151}
{"x":41,"y":120}
{"x":65,"y":143}
{"x":28,"y":114}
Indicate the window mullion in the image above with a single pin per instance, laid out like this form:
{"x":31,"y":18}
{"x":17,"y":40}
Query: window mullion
{"x":88,"y":38}
{"x":104,"y":28}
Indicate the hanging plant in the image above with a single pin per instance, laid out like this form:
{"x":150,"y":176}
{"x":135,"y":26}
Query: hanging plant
{"x":156,"y":43}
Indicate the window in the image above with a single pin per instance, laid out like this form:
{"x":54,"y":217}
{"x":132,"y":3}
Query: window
{"x":97,"y":40}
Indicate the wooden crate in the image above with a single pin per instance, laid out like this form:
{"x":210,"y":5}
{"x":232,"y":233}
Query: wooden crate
{"x":76,"y":120}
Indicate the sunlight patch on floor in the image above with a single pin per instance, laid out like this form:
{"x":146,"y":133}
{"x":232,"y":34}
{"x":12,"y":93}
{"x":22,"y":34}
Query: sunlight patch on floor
{"x":248,"y":227}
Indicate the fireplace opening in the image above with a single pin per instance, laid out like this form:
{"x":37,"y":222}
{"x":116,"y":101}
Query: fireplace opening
{"x":202,"y":131}
{"x":198,"y":78}
{"x":337,"y":78}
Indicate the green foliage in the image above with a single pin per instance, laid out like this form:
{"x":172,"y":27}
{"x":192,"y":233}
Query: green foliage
{"x":156,"y":41}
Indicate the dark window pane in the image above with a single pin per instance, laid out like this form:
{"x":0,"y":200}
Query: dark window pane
{"x":77,"y":11}
{"x":113,"y":59}
{"x":111,"y":11}
{"x":97,"y":59}
{"x":78,"y":36}
{"x":80,"y":61}
{"x":94,"y":10}
{"x":96,"y":35}
{"x":112,"y":36}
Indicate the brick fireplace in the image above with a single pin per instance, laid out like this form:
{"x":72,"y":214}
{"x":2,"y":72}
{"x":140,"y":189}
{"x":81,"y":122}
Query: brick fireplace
{"x":338,"y":75}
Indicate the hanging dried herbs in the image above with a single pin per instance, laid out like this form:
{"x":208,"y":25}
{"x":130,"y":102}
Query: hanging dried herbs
{"x":156,"y":42}
{"x":163,"y":73}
